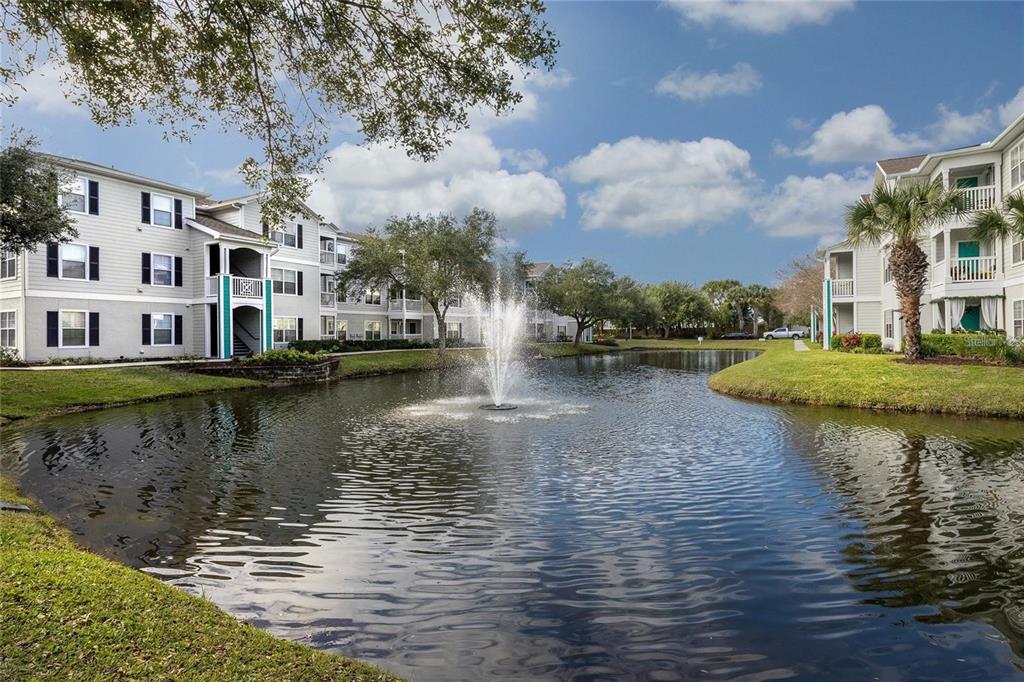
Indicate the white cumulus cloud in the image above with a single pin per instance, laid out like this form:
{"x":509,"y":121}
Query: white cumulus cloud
{"x":362,"y":186}
{"x":44,"y":93}
{"x":810,"y":206}
{"x":759,"y":16}
{"x":1009,"y":112}
{"x":648,"y":186}
{"x":689,"y":85}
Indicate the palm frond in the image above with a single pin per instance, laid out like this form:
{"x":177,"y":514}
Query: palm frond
{"x":989,"y":225}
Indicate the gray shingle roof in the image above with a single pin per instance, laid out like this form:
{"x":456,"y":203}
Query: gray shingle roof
{"x":223,"y":227}
{"x":902,"y":164}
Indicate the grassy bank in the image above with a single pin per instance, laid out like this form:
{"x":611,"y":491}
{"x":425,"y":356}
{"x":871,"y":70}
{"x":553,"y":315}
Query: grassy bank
{"x":872,"y":381}
{"x":66,"y":613}
{"x":39,"y":393}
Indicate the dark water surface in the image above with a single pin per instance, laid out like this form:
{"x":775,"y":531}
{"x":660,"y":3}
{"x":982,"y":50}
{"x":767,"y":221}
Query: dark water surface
{"x":625,"y":523}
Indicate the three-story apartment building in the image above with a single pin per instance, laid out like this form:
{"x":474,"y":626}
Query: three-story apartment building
{"x":972,"y":285}
{"x":161,"y":271}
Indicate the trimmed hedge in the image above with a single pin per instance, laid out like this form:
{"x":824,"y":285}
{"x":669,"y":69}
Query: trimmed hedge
{"x":978,"y":346}
{"x":285,"y":357}
{"x":855,"y":342}
{"x":350,"y":346}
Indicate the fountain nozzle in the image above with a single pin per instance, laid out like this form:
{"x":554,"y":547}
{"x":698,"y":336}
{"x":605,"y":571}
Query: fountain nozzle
{"x":498,"y":408}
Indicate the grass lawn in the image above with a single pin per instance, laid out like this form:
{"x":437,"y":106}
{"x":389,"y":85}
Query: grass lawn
{"x":37,"y":393}
{"x":873,"y":381}
{"x":68,"y":614}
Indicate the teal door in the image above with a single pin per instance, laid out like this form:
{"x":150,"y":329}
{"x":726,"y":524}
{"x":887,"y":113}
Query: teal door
{"x":971,"y":321}
{"x":964,"y":183}
{"x":968,"y":250}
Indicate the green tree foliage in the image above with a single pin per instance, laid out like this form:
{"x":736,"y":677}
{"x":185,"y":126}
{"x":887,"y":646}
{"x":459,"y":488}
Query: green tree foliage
{"x":798,"y":291}
{"x":722,"y":293}
{"x":438,"y":257}
{"x":637,"y":306}
{"x":30,"y":209}
{"x":899,"y":216}
{"x":1005,"y":222}
{"x":283,"y":71}
{"x":681,"y":306}
{"x":760,"y":298}
{"x":586,"y":291}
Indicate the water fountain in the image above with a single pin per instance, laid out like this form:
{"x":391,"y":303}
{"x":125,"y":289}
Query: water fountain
{"x":501,"y":323}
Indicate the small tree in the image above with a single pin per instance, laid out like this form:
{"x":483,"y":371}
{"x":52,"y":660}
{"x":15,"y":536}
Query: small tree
{"x":30,"y":209}
{"x":799,"y":289}
{"x":438,"y":257}
{"x":760,"y":299}
{"x":637,"y":306}
{"x":899,"y":216}
{"x":719,"y":293}
{"x":586,"y":292}
{"x":681,"y":305}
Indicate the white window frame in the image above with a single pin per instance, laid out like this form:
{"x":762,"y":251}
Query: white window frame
{"x":12,"y":258}
{"x":1017,"y":149}
{"x":12,"y":329}
{"x":333,"y":324}
{"x":84,"y":186}
{"x":370,"y":294}
{"x":340,"y":322}
{"x":1017,"y":320}
{"x":152,"y":269}
{"x":60,"y":262}
{"x":60,"y":328}
{"x":889,"y":323}
{"x":153,"y":209}
{"x":448,"y":329}
{"x":1017,"y":251}
{"x":153,"y":328}
{"x":366,"y":330}
{"x":284,"y":282}
{"x":295,"y":329}
{"x":279,"y":236}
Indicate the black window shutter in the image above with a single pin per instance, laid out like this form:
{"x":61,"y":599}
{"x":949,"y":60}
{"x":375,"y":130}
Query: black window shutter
{"x":177,"y":271}
{"x":52,"y":337}
{"x":266,"y":230}
{"x":177,"y":214}
{"x":147,"y":276}
{"x":52,"y":264}
{"x":145,"y":207}
{"x":94,"y":263}
{"x":145,"y":329}
{"x":298,"y":236}
{"x":179,"y":332}
{"x":298,"y":282}
{"x":300,"y":329}
{"x":94,"y":197}
{"x":94,"y":329}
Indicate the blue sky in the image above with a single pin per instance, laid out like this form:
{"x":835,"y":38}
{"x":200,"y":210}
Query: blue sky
{"x":688,"y":141}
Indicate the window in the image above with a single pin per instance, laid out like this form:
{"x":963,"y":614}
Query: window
{"x":1017,"y":255}
{"x":73,"y":328}
{"x":888,"y":324}
{"x":284,"y":281}
{"x":372,"y":297}
{"x":73,"y":195}
{"x":8,"y":328}
{"x":372,"y":331}
{"x":327,"y":327}
{"x":453,"y":330}
{"x":286,"y":236}
{"x":342,"y":329}
{"x":561,"y":331}
{"x":1018,"y":319}
{"x":163,"y":210}
{"x":8,"y":264}
{"x":1016,"y":165}
{"x":342,"y":295}
{"x":74,"y":261}
{"x":162,"y":329}
{"x":454,"y":302}
{"x":940,"y":250}
{"x":887,"y":272}
{"x":163,"y":270}
{"x":286,"y":329}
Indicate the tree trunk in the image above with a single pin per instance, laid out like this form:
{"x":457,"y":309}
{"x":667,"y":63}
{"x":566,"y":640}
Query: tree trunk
{"x":579,"y":334}
{"x":442,"y":333}
{"x":909,"y":266}
{"x":755,"y":316}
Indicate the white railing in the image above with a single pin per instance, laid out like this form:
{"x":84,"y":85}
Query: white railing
{"x":410,"y":305}
{"x":211,"y":285}
{"x":842,"y":287}
{"x":327,"y":299}
{"x":407,"y":337}
{"x":327,"y":258}
{"x":978,"y":198}
{"x":246,"y":287}
{"x":976,"y":269}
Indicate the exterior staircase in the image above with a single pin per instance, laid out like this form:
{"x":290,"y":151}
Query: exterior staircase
{"x":238,"y":347}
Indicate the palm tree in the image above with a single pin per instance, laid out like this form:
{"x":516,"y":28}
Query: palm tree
{"x":900,"y":216}
{"x":760,"y":298}
{"x":1002,"y":223}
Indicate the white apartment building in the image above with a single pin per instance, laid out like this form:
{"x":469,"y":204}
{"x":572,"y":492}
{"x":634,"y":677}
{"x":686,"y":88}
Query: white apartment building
{"x":162,"y":271}
{"x":971,"y":285}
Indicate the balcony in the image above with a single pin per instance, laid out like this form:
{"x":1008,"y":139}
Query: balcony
{"x":241,"y":287}
{"x":976,"y":269}
{"x":407,"y":337}
{"x":409,"y":305}
{"x":842,"y":288}
{"x":327,"y":258}
{"x":327,"y":299}
{"x":978,"y":198}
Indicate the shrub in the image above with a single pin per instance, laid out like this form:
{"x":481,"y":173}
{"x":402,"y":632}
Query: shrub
{"x":977,"y":346}
{"x":871,"y":342}
{"x":607,"y":342}
{"x":855,"y":342}
{"x":285,"y":357}
{"x":316,"y":345}
{"x":9,"y":357}
{"x":850,"y":341}
{"x":453,"y":343}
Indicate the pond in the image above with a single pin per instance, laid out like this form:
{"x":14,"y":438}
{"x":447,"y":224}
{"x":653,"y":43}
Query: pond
{"x":626,"y":522}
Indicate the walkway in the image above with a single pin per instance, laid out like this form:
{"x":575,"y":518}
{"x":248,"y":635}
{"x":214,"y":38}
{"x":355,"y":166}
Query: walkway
{"x":799,"y":345}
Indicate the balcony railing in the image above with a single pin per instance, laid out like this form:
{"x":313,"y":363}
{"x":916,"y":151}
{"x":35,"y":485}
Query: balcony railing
{"x":409,"y":305}
{"x":327,"y":299}
{"x":241,"y":287}
{"x":327,"y":258}
{"x":408,"y":337}
{"x":842,"y":287}
{"x":976,"y":269}
{"x":978,"y":198}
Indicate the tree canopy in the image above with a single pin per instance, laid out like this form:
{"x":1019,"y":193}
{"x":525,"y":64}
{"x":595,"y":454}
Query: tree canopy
{"x":282,"y":72}
{"x":798,"y":291}
{"x":586,"y":291}
{"x":31,"y":212}
{"x":436,"y":256}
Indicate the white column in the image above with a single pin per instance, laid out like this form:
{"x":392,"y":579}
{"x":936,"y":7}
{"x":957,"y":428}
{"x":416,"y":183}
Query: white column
{"x":947,"y":322}
{"x":949,"y":254}
{"x":945,"y":178}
